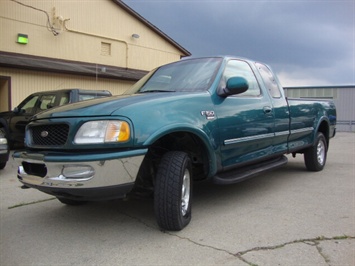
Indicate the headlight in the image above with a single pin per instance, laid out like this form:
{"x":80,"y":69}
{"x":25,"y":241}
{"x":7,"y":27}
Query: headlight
{"x":102,"y":131}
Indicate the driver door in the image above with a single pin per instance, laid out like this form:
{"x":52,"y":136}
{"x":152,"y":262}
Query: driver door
{"x":246,"y":120}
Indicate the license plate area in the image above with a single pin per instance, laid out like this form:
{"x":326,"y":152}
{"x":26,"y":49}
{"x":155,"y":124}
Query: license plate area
{"x":36,"y":169}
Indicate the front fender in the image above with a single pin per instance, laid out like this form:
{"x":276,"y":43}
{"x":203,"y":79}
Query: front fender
{"x":209,"y":140}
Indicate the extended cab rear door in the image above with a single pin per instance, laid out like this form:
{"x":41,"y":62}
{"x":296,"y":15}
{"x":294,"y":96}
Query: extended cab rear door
{"x":246,"y":120}
{"x":279,"y":106}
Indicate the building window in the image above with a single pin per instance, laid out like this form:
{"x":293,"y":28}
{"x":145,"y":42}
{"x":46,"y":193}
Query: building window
{"x":105,"y":48}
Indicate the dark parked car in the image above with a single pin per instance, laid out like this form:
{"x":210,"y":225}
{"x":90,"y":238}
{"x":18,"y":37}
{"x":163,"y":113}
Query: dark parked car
{"x":13,"y":123}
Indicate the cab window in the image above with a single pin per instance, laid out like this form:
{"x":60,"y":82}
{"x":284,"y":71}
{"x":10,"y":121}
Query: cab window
{"x":84,"y":97}
{"x":237,"y":68}
{"x":64,"y":99}
{"x":46,"y":102}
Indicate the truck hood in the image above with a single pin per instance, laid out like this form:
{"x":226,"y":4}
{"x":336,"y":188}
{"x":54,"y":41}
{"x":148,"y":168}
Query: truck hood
{"x":103,"y":106}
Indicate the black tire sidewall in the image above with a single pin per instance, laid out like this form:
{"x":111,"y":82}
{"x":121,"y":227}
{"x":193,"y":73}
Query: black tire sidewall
{"x":2,"y":165}
{"x":310,"y":156}
{"x":168,"y":191}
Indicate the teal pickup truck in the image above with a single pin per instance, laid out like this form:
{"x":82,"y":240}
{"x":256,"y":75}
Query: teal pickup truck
{"x":222,"y":119}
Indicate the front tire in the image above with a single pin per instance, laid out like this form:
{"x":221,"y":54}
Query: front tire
{"x":71,"y":202}
{"x":2,"y":165}
{"x":172,"y":192}
{"x":316,"y":156}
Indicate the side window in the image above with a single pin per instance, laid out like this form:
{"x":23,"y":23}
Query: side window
{"x":269,"y":80}
{"x":28,"y":107}
{"x":46,"y":102}
{"x":237,"y":68}
{"x":64,"y":99}
{"x":84,"y":97}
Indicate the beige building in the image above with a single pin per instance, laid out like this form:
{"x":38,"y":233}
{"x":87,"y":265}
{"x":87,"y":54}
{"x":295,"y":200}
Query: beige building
{"x":89,"y":44}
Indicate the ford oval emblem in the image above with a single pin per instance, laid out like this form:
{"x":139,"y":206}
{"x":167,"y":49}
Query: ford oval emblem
{"x":44,"y":134}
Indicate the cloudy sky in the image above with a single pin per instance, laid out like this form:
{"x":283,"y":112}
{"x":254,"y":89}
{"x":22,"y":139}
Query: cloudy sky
{"x":306,"y":42}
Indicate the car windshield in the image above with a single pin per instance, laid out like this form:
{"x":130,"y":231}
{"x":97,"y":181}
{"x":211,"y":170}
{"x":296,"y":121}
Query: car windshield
{"x":184,"y":76}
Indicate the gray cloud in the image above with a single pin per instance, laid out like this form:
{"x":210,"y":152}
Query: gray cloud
{"x":305,"y":41}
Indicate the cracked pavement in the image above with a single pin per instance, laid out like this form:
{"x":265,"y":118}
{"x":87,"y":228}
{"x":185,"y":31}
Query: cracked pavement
{"x":285,"y":217}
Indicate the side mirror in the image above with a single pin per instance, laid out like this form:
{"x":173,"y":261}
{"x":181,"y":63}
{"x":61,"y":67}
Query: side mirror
{"x":235,"y":85}
{"x":19,"y":110}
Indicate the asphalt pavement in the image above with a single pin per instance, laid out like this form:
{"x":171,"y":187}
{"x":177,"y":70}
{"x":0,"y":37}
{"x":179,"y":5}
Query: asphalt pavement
{"x":286,"y":217}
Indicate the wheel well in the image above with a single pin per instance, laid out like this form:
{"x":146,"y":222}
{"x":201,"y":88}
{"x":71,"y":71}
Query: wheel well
{"x":177,"y":141}
{"x":3,"y":128}
{"x":324,"y":128}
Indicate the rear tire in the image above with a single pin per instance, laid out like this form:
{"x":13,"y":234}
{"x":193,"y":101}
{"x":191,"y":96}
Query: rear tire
{"x":315,"y":157}
{"x":172,"y":192}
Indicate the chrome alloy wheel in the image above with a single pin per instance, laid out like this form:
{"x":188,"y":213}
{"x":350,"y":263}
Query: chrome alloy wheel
{"x":320,"y":152}
{"x":185,"y":192}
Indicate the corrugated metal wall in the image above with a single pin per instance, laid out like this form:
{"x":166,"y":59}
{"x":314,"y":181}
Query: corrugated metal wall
{"x":345,"y":103}
{"x":320,"y":93}
{"x":343,"y":97}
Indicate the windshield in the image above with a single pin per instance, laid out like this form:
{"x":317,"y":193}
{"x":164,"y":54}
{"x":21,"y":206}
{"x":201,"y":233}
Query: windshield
{"x":184,"y":76}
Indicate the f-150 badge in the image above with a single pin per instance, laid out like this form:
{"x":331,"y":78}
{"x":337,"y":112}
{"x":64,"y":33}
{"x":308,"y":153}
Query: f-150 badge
{"x":209,"y":114}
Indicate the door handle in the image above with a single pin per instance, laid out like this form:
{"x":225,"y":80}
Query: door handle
{"x":267,"y":110}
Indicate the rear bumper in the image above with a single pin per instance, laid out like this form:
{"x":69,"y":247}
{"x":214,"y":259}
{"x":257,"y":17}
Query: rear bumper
{"x":99,"y":176}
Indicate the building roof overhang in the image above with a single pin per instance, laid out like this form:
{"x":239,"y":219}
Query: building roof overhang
{"x":45,"y":64}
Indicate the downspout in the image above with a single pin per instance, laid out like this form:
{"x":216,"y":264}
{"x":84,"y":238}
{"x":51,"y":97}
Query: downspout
{"x":95,"y":35}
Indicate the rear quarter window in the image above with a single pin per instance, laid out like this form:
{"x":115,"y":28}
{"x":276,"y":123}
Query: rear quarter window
{"x":84,"y":97}
{"x":269,"y":80}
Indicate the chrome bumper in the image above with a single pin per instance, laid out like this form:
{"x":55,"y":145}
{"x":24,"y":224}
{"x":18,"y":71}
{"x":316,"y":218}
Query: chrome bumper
{"x":76,"y":172}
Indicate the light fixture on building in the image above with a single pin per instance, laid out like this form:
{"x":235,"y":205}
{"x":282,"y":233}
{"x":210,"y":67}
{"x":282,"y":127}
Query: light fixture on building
{"x":22,"y":38}
{"x":135,"y":36}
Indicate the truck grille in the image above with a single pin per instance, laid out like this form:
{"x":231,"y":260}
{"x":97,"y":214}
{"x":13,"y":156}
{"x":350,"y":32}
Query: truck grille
{"x":49,"y":135}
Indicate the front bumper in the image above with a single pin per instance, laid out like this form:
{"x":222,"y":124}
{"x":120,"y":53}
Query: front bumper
{"x":4,"y":150}
{"x":81,"y":176}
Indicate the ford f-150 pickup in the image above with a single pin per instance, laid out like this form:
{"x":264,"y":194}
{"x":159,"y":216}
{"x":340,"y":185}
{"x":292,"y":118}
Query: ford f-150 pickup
{"x":222,"y":119}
